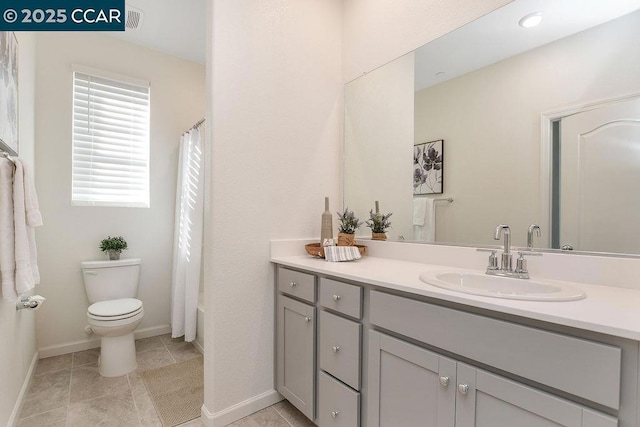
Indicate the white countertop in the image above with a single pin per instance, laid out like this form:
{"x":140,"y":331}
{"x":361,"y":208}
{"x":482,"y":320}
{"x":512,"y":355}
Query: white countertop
{"x":608,"y":310}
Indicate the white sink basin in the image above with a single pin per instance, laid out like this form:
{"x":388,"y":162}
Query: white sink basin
{"x":503,"y":287}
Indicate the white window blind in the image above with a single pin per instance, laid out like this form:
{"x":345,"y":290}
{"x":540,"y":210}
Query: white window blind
{"x":110,"y":142}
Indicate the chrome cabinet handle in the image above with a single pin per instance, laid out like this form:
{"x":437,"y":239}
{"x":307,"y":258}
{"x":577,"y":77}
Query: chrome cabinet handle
{"x":292,"y":284}
{"x":307,"y":319}
{"x":91,"y":272}
{"x":336,"y":297}
{"x":463,"y":388}
{"x":444,"y":381}
{"x":336,"y":348}
{"x":334,"y":414}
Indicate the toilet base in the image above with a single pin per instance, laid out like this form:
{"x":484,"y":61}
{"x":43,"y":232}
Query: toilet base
{"x":117,"y":355}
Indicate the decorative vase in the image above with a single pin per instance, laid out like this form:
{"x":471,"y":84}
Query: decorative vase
{"x":114,"y":255}
{"x":327,"y":223}
{"x":345,"y":239}
{"x":378,"y":236}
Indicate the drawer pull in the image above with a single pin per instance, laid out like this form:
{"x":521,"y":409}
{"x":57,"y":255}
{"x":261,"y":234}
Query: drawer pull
{"x":292,"y":284}
{"x":336,"y":297}
{"x":463,"y":388}
{"x":336,"y":348}
{"x":334,"y":414}
{"x":307,"y":319}
{"x":444,"y":381}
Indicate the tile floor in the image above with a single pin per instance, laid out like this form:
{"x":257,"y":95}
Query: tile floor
{"x":68,"y":391}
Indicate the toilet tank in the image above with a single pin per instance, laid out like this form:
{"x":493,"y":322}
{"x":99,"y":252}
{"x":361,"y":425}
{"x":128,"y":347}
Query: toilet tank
{"x":107,"y":280}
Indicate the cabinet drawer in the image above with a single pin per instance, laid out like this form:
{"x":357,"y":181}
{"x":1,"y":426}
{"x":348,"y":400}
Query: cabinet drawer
{"x":339,"y":348}
{"x":583,"y":368}
{"x":341,"y":297}
{"x":300,"y":285}
{"x":338,"y":405}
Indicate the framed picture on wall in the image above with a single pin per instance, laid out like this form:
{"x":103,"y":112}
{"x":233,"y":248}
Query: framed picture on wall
{"x":8,"y":92}
{"x":428,"y":167}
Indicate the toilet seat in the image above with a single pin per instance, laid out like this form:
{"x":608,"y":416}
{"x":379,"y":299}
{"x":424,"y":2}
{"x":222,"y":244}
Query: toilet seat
{"x":113,"y":310}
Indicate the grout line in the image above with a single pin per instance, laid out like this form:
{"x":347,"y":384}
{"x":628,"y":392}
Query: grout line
{"x":281,"y":416}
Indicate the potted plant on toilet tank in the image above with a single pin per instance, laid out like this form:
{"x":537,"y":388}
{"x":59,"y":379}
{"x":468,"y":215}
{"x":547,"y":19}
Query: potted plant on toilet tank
{"x":113,"y":246}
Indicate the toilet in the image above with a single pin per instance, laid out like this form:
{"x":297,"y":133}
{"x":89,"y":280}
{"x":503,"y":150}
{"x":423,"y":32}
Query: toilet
{"x":114,"y":312}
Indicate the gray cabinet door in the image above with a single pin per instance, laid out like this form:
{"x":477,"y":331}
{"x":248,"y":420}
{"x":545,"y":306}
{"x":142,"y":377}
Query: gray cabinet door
{"x":296,"y":351}
{"x":488,"y":400}
{"x":408,"y":385}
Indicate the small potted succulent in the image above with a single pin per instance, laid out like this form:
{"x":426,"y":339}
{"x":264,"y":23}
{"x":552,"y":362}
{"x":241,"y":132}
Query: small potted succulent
{"x":347,"y":228}
{"x":113,"y":246}
{"x":378,"y":223}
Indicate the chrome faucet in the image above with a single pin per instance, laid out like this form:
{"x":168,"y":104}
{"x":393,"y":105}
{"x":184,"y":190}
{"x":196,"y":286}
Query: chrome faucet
{"x":532,"y":228}
{"x":505,"y":268}
{"x":506,"y":254}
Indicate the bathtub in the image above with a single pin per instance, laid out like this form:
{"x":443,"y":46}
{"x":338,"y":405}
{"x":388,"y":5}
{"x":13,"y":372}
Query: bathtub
{"x":199,"y":342}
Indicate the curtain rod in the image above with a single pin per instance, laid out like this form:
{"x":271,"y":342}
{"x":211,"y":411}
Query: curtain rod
{"x":198,"y":123}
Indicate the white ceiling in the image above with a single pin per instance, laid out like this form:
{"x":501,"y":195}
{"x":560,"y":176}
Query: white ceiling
{"x":174,"y":27}
{"x":498,"y":36}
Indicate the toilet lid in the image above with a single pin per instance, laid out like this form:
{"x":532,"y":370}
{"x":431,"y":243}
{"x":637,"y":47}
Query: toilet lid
{"x":116,"y":307}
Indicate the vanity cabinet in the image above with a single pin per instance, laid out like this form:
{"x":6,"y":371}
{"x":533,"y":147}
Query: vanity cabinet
{"x":412,"y":386}
{"x":380,"y":358}
{"x":296,"y":342}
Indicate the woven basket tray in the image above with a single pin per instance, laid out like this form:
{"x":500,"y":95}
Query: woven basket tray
{"x":316,"y":250}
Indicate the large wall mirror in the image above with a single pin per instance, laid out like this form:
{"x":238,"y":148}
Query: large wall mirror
{"x":541,"y":125}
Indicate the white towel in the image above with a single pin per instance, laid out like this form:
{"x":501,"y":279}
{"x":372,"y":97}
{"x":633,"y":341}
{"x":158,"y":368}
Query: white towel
{"x":26,"y":274}
{"x":419,"y":210}
{"x":32,"y":207}
{"x":7,"y":247}
{"x":424,"y":208}
{"x":341,"y":253}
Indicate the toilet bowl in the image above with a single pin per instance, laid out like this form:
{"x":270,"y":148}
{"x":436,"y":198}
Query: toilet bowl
{"x":114,"y":313}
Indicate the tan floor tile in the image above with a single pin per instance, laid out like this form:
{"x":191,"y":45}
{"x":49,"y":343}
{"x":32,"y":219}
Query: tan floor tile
{"x":166,"y":338}
{"x":51,"y":364}
{"x":113,"y":410}
{"x":87,"y":383}
{"x":86,"y":357}
{"x":268,"y":417}
{"x":48,"y":391}
{"x":193,"y":423}
{"x":149,"y":343}
{"x":144,"y":404}
{"x":292,"y":414}
{"x":154,"y":358}
{"x":135,"y":380}
{"x":55,"y":418}
{"x":183,"y":351}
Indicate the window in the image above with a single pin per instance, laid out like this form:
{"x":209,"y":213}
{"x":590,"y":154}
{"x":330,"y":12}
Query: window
{"x":110,"y":140}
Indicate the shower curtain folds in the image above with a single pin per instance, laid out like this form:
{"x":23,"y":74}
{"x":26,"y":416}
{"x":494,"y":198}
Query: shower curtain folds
{"x":187,"y":243}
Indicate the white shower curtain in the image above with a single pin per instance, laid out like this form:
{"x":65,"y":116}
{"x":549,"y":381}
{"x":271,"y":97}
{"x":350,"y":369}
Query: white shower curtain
{"x":187,"y":243}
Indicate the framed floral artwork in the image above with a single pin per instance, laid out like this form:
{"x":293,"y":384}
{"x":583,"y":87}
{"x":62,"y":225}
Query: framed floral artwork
{"x":428,"y":167}
{"x":8,"y":92}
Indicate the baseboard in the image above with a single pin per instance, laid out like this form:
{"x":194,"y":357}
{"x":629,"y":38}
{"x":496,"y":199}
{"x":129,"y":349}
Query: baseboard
{"x":17,"y":408}
{"x":152,"y":332}
{"x":240,"y":410}
{"x":94,"y":342}
{"x":198,"y":346}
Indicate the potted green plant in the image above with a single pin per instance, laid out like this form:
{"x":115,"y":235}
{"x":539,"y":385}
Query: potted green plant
{"x":347,"y":228}
{"x":379,"y":224}
{"x":113,"y":246}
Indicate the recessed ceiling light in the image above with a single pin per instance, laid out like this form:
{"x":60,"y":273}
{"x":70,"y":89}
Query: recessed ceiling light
{"x":531,"y":20}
